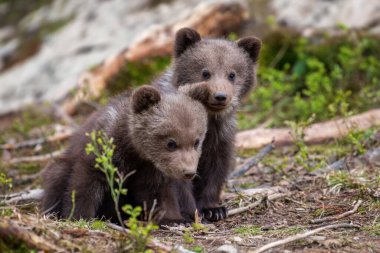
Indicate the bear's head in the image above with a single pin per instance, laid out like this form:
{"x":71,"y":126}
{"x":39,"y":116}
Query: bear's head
{"x":168,"y":130}
{"x":226,"y":69}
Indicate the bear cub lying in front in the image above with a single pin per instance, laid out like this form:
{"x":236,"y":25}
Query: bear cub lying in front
{"x":158,"y":136}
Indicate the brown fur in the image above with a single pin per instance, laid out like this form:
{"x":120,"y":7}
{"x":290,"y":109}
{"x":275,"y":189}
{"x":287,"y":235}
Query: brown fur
{"x":222,"y":73}
{"x":141,"y":124}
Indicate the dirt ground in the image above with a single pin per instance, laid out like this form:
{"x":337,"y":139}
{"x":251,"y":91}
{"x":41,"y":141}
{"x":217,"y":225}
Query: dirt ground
{"x":303,"y":197}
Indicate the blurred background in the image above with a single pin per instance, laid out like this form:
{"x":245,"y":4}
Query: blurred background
{"x":319,"y":57}
{"x":320,"y":61}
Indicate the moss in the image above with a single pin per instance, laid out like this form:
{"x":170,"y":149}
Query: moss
{"x":373,"y":230}
{"x":198,"y":249}
{"x":30,"y":118}
{"x":98,"y":225}
{"x":10,"y":245}
{"x":134,"y":74}
{"x":249,"y":230}
{"x":28,"y":168}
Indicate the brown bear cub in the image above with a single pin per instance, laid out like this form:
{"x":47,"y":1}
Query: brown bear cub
{"x":158,"y":136}
{"x":222,"y":72}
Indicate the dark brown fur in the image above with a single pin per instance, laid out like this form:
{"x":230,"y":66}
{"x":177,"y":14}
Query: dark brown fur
{"x":141,"y":125}
{"x":223,"y":72}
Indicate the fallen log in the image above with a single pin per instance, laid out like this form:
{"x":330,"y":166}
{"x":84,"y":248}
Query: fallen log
{"x":315,"y":133}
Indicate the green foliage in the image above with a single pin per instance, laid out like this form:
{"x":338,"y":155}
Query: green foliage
{"x":303,"y":154}
{"x":134,"y":74}
{"x":103,"y":149}
{"x":5,"y":184}
{"x":73,"y":205}
{"x":188,"y":237}
{"x":139,"y":231}
{"x":339,"y":180}
{"x":198,"y":249}
{"x":98,"y":225}
{"x":374,"y":229}
{"x":8,"y":245}
{"x":249,"y":230}
{"x":299,"y":77}
{"x":29,"y":119}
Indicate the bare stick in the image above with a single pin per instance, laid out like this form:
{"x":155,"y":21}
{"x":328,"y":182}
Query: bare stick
{"x":9,"y":229}
{"x":338,"y":165}
{"x":30,"y":196}
{"x":34,"y":142}
{"x":254,"y":161}
{"x":301,"y":236}
{"x":341,"y":163}
{"x":255,"y":204}
{"x":37,"y":158}
{"x":339,"y":216}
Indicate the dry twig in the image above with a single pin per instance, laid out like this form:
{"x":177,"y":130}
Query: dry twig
{"x":339,"y":216}
{"x":254,"y":161}
{"x":37,"y":158}
{"x":31,"y":195}
{"x":301,"y":236}
{"x":255,"y":204}
{"x":9,"y":229}
{"x":34,"y":142}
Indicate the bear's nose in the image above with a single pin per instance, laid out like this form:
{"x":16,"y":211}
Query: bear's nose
{"x":189,"y":175}
{"x":220,"y":96}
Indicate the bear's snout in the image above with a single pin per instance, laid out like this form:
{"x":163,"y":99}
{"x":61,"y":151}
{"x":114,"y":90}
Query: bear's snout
{"x":221,"y":97}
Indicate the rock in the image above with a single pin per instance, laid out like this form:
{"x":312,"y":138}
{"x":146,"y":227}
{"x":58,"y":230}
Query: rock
{"x":209,"y":18}
{"x":237,"y":239}
{"x":101,"y":31}
{"x":327,"y":15}
{"x":226,"y":249}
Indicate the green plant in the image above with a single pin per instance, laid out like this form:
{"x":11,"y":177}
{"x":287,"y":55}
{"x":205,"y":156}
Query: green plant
{"x":303,"y":153}
{"x":299,"y":77}
{"x":5,"y":184}
{"x":188,"y":237}
{"x":138,"y":230}
{"x":103,"y":149}
{"x":73,"y":205}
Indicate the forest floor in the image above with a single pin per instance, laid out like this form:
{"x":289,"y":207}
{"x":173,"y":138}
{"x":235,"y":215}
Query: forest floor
{"x":293,"y":189}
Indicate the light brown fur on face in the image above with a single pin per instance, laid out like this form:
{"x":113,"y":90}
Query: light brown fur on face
{"x":180,"y":119}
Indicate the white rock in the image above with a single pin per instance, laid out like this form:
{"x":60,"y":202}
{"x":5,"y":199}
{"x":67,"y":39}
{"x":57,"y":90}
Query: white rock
{"x":226,"y":249}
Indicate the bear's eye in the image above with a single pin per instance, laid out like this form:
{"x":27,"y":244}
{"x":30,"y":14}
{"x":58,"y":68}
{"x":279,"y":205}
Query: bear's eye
{"x":196,"y":144}
{"x":206,"y":74}
{"x":231,"y":76}
{"x":172,"y":145}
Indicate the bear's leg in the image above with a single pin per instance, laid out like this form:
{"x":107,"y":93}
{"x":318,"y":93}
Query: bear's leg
{"x":89,"y":193}
{"x":213,"y":171}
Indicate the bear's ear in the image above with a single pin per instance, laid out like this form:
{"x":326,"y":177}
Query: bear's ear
{"x":251,"y":45}
{"x":145,"y":97}
{"x":184,"y":38}
{"x":197,"y":91}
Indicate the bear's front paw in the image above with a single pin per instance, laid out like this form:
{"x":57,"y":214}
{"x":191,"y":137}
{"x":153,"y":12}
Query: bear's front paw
{"x":175,"y":223}
{"x":214,"y":213}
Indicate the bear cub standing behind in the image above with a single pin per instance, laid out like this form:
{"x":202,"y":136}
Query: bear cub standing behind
{"x":158,"y":136}
{"x":226,"y":70}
